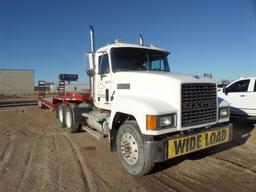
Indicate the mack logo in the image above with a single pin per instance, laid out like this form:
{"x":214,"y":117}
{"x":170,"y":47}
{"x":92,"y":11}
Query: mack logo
{"x":198,"y":105}
{"x":197,"y":142}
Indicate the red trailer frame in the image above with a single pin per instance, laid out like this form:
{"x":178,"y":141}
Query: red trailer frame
{"x":62,"y":97}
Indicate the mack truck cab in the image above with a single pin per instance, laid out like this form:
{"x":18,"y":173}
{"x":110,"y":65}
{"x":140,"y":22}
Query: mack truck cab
{"x":148,"y":113}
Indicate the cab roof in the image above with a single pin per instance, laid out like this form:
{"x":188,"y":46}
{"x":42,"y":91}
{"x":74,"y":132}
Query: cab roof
{"x":128,"y":45}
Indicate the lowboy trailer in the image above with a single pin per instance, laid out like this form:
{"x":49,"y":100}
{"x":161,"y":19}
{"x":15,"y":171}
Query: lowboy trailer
{"x":62,"y":100}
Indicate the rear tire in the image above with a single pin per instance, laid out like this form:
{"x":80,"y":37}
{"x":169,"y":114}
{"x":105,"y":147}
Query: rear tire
{"x":130,"y":149}
{"x":61,"y":110}
{"x":71,"y":125}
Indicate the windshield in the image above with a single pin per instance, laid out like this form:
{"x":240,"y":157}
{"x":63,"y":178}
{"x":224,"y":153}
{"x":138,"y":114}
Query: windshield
{"x":137,"y":59}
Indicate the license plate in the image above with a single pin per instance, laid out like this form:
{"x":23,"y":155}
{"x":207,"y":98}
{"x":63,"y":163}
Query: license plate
{"x":185,"y":145}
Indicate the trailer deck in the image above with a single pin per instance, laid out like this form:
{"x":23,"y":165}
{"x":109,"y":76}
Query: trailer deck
{"x":62,"y":97}
{"x":70,"y":97}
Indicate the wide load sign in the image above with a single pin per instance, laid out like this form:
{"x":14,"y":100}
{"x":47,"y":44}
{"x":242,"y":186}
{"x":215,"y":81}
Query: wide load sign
{"x":185,"y":145}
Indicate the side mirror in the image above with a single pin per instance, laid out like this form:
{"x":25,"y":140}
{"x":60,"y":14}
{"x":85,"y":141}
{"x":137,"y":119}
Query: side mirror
{"x":225,"y":90}
{"x":90,"y":72}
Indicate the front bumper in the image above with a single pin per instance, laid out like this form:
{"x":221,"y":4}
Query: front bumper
{"x":168,"y":147}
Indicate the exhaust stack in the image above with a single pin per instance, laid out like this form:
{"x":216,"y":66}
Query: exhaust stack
{"x":92,"y":39}
{"x":141,"y":40}
{"x":90,"y":71}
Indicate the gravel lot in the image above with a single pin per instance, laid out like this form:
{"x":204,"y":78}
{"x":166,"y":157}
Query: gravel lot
{"x":37,"y":155}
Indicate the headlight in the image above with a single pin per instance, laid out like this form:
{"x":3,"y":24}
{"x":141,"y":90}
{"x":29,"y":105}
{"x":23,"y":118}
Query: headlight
{"x":223,"y":112}
{"x":155,"y":122}
{"x":167,"y":121}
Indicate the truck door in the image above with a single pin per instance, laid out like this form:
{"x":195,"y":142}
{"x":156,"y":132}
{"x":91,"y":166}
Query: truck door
{"x":103,"y":82}
{"x":252,"y":98}
{"x":238,"y":97}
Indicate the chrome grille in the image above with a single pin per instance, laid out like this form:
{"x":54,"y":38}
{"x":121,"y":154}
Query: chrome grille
{"x":198,"y":104}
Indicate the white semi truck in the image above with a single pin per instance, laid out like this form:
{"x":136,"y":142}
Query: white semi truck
{"x":148,"y":113}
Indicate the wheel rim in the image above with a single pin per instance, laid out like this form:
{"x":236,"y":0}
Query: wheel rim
{"x":68,"y":119}
{"x":129,"y":148}
{"x":60,"y":115}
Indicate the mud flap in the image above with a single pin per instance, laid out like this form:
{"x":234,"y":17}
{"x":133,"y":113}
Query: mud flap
{"x":77,"y":114}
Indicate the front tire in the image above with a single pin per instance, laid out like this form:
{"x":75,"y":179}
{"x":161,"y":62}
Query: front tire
{"x":130,"y":149}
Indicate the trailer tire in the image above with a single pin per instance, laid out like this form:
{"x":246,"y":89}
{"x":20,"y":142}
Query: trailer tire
{"x":60,"y":113}
{"x":40,"y":104}
{"x":71,"y":125}
{"x":130,"y":149}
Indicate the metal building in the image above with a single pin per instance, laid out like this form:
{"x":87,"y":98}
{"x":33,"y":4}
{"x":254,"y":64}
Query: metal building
{"x":16,"y":81}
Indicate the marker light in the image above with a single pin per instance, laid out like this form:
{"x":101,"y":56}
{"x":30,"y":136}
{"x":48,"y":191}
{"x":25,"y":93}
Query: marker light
{"x":223,"y":112}
{"x":151,"y":122}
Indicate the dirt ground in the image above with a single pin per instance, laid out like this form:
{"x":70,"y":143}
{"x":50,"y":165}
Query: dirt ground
{"x":37,"y":155}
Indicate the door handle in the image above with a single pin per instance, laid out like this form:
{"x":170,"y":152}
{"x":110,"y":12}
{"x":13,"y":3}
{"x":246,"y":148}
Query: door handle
{"x":242,"y":95}
{"x":101,"y":76}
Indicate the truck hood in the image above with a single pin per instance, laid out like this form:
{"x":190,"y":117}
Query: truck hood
{"x":158,"y":92}
{"x":162,"y":86}
{"x":161,"y":77}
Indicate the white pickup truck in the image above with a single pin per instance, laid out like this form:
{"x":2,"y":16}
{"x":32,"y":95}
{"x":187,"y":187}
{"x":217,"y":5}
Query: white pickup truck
{"x":241,"y":95}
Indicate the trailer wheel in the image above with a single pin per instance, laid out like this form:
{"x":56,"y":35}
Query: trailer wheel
{"x":40,"y":104}
{"x":61,"y":114}
{"x":71,"y":125}
{"x":131,"y":151}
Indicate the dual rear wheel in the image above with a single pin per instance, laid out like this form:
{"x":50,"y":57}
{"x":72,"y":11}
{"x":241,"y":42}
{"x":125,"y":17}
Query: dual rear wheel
{"x":65,"y":115}
{"x":60,"y":114}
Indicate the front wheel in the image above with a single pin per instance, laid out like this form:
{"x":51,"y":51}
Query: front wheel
{"x":130,"y":149}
